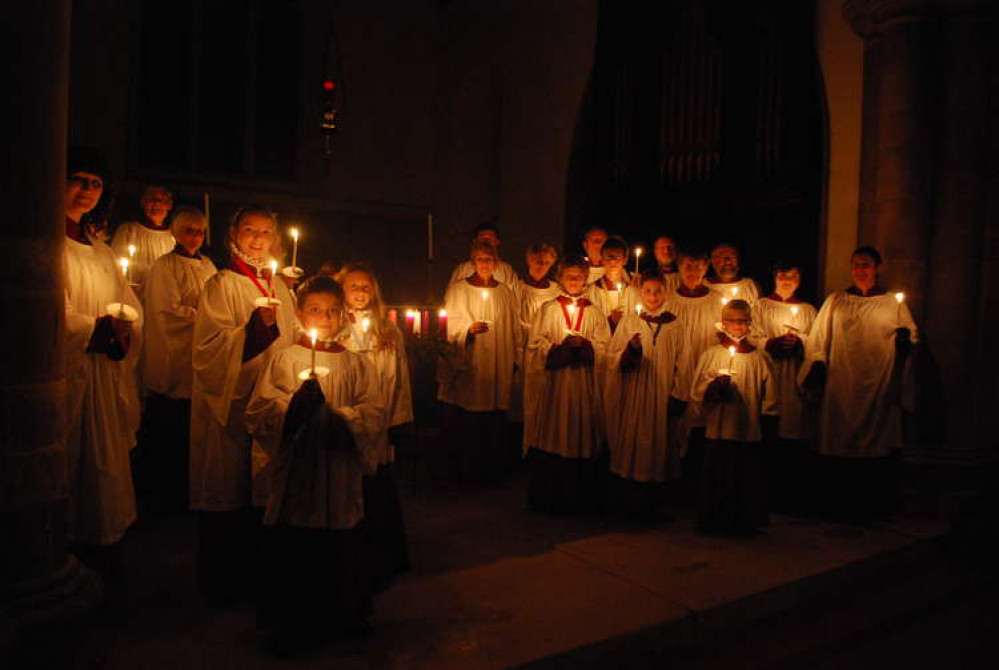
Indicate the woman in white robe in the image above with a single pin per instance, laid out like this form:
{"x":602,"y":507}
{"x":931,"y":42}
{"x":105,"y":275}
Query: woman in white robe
{"x":323,"y":434}
{"x":172,"y":292}
{"x":150,"y":236}
{"x":484,"y":331}
{"x":564,"y":428}
{"x":237,"y":331}
{"x":857,"y":357}
{"x":368,"y":332}
{"x":645,"y":391}
{"x":101,"y":349}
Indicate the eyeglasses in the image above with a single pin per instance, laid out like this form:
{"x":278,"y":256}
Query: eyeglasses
{"x":85,"y":182}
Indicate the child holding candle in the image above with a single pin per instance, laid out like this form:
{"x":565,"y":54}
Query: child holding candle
{"x":646,"y":390}
{"x":369,"y":332}
{"x":734,"y":387}
{"x":237,"y":330}
{"x":150,"y":236}
{"x":483,"y":323}
{"x":613,"y":292}
{"x":563,"y":421}
{"x":101,"y":353}
{"x":322,"y":434}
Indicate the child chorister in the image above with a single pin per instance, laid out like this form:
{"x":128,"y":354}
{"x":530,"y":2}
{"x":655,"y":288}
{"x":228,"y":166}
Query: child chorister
{"x":144,"y":241}
{"x":646,"y":389}
{"x":317,"y":410}
{"x":613,"y":293}
{"x":563,"y":426}
{"x":484,"y":329}
{"x":733,"y":385}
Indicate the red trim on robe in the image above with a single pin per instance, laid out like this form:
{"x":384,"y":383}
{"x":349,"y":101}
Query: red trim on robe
{"x":238,"y":265}
{"x":478,"y":282}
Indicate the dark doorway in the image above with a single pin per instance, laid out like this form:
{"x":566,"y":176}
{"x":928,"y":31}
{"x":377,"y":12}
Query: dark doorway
{"x":704,"y":120}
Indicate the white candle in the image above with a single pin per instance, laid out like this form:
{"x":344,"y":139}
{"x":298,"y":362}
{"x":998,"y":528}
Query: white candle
{"x":485,"y":294}
{"x":274,"y":267}
{"x":572,"y":318}
{"x":899,"y":298}
{"x":430,"y":236}
{"x":365,"y":324}
{"x":638,"y":310}
{"x":131,"y":261}
{"x":731,"y":360}
{"x":638,"y":254}
{"x":724,"y":301}
{"x":294,"y":247}
{"x":314,"y":334}
{"x":417,"y":322}
{"x":124,"y":274}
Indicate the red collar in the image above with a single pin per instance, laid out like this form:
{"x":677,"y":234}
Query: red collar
{"x":876,"y":291}
{"x":661,"y":318}
{"x":321,"y":345}
{"x":742,"y":346}
{"x":579,"y":302}
{"x":776,"y":298}
{"x":180,"y":251}
{"x":540,"y":283}
{"x":237,"y":264}
{"x":76,"y":232}
{"x":698,"y":292}
{"x":478,"y":282}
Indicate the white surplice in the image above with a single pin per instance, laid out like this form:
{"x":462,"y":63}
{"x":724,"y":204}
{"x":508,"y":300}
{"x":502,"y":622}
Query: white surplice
{"x":482,"y":383}
{"x":563,"y":409}
{"x":221,"y":466}
{"x":596,"y":272}
{"x":504,"y":273}
{"x":744,"y":289}
{"x":311,"y":485}
{"x":755,"y":394}
{"x":173,"y":288}
{"x":855,"y":337}
{"x":102,"y":404}
{"x":610,"y":298}
{"x":149,"y":244}
{"x":774,"y":318}
{"x":637,"y":400}
{"x":529,"y":300}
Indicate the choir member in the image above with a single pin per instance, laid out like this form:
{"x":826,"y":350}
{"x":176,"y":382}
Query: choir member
{"x":318,"y":411}
{"x":101,"y":349}
{"x":593,"y":242}
{"x":664,"y":251}
{"x":563,"y":422}
{"x":733,"y":385}
{"x":612,"y":292}
{"x":173,"y":289}
{"x":488,"y":233}
{"x":150,"y":235}
{"x":646,"y":390}
{"x":236,"y":332}
{"x":781,"y":323}
{"x":368,"y":332}
{"x":856,"y":356}
{"x":482,"y":324}
{"x":726,"y":280}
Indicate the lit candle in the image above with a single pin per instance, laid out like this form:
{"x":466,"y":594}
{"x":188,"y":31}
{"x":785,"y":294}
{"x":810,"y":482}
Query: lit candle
{"x":294,"y":247}
{"x":791,"y":327}
{"x":314,"y":334}
{"x":274,"y":267}
{"x":417,"y":322}
{"x":485,"y":294}
{"x":124,"y":274}
{"x":794,"y":310}
{"x":131,"y":261}
{"x":365,"y":324}
{"x":393,"y":316}
{"x":430,"y":236}
{"x":572,"y":317}
{"x":617,"y":296}
{"x":638,"y":310}
{"x":899,"y":298}
{"x":410,"y":320}
{"x":442,"y":323}
{"x":731,"y":360}
{"x":638,"y":254}
{"x":724,"y":301}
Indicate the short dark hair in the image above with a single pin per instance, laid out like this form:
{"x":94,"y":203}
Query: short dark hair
{"x":870,"y":252}
{"x":783,"y":265}
{"x":614,"y":243}
{"x":318,"y":284}
{"x":694,"y":255}
{"x":491,"y":224}
{"x":574,"y":261}
{"x":652,"y":274}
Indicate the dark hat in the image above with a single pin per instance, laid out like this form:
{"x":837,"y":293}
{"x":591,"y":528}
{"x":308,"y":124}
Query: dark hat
{"x":86,"y":159}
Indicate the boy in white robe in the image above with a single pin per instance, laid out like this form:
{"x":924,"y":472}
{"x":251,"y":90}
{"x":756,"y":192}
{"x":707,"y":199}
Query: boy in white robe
{"x":781,"y":323}
{"x":504,"y":273}
{"x":172,"y":292}
{"x":475,"y":382}
{"x":856,"y":358}
{"x":726,"y":280}
{"x":733,"y":385}
{"x":368,"y":332}
{"x":317,"y":410}
{"x":563,"y":427}
{"x":593,"y":242}
{"x":237,"y":330}
{"x":645,"y":391}
{"x":150,"y":236}
{"x":613,"y":292}
{"x":102,"y":350}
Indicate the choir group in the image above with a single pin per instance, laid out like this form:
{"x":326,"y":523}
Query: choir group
{"x":265,"y":400}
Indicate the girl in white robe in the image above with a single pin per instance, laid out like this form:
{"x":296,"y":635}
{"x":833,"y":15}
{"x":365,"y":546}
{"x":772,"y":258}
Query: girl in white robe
{"x":236,"y":333}
{"x":645,"y":391}
{"x":857,"y":358}
{"x":368,"y":332}
{"x":322,"y":433}
{"x":150,"y":236}
{"x":564,"y":428}
{"x":484,"y":329}
{"x":733,"y":385}
{"x":101,"y":351}
{"x":172,"y":292}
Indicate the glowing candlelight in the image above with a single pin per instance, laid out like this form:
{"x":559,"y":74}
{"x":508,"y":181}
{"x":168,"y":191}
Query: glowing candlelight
{"x":417,"y":322}
{"x":794,"y":310}
{"x":314,"y":334}
{"x":735,"y":291}
{"x":638,"y":310}
{"x":731,"y":360}
{"x":294,"y":247}
{"x":485,"y":294}
{"x":274,"y":267}
{"x":724,"y":301}
{"x":410,"y":320}
{"x":123,"y":262}
{"x":442,"y":323}
{"x":899,"y":298}
{"x":365,"y":324}
{"x":638,"y":254}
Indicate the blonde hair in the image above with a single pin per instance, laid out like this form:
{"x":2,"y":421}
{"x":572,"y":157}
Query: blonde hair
{"x":185,"y":215}
{"x":277,"y":249}
{"x":383,"y":329}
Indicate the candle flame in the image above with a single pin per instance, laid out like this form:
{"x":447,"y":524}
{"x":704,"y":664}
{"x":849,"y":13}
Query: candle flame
{"x":900,"y":297}
{"x":442,"y":312}
{"x":731,"y":352}
{"x":314,"y":334}
{"x":123,"y":262}
{"x":638,"y":310}
{"x":365,"y":324}
{"x":274,"y":267}
{"x":794,"y":310}
{"x":638,"y":251}
{"x":485,"y":294}
{"x":131,"y":250}
{"x":619,"y":286}
{"x":724,"y":301}
{"x":735,"y":291}
{"x":294,"y":234}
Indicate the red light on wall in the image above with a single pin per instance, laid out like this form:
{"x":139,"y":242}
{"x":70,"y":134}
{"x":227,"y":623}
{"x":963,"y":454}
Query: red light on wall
{"x":329,"y":85}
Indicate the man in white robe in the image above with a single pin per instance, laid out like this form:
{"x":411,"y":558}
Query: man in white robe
{"x":593,"y":242}
{"x":150,"y":236}
{"x":726,"y":280}
{"x":664,"y":251}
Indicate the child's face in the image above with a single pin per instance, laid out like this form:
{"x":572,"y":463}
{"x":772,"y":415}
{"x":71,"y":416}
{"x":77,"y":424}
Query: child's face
{"x":613,"y":260}
{"x":692,"y":272}
{"x":787,"y":282}
{"x":357,"y":290}
{"x":254,"y":235}
{"x":485,"y":264}
{"x":540,"y":264}
{"x":573,"y":280}
{"x":320,"y":311}
{"x":735,"y":322}
{"x":190,"y":235}
{"x":653,"y":294}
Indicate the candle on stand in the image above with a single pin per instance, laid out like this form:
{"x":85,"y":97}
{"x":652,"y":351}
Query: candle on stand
{"x":274,"y":267}
{"x":410,"y":320}
{"x":294,"y":247}
{"x":425,"y":323}
{"x":638,"y":254}
{"x":314,"y":334}
{"x":899,"y":298}
{"x":442,"y":323}
{"x":430,"y":236}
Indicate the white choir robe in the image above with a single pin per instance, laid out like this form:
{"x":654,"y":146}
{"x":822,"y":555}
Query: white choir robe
{"x":855,"y":337}
{"x":607,"y":300}
{"x":637,"y":400}
{"x":771,"y":319}
{"x":172,"y":291}
{"x":745,"y":289}
{"x":671,"y":280}
{"x":529,"y":300}
{"x":756,"y":394}
{"x":310,"y":486}
{"x":504,"y":273}
{"x":596,"y":273}
{"x":222,"y":465}
{"x":563,"y":409}
{"x":102,"y":405}
{"x":483,"y":384}
{"x":149,"y":246}
{"x":392,"y":372}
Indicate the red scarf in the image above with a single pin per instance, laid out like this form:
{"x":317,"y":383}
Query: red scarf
{"x":238,"y":265}
{"x":581,"y":304}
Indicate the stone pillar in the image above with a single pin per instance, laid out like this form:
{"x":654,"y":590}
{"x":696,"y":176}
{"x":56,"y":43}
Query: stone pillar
{"x":39,"y":581}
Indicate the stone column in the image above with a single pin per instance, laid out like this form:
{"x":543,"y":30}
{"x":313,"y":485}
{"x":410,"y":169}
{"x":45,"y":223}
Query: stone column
{"x":39,"y":581}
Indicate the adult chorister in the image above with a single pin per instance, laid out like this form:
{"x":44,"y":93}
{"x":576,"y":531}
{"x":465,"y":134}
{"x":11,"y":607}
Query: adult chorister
{"x":145,"y":240}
